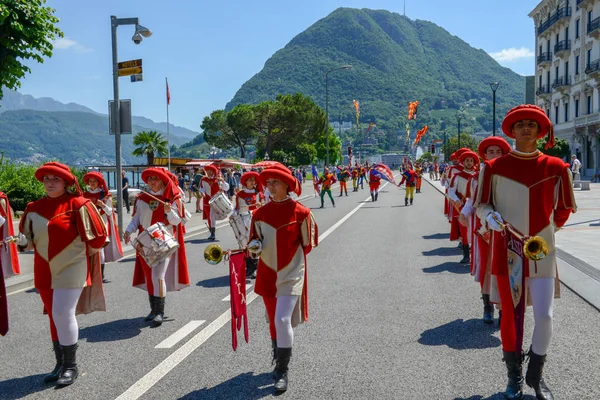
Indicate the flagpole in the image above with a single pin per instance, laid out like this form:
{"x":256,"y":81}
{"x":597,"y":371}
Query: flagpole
{"x":168,"y":127}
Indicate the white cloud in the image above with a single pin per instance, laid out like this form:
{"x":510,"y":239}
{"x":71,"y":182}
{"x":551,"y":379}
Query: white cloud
{"x":513,"y":54}
{"x":66,"y":43}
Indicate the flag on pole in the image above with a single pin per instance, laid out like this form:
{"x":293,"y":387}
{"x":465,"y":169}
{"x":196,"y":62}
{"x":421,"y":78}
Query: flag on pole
{"x":168,"y":93}
{"x":382,"y":171}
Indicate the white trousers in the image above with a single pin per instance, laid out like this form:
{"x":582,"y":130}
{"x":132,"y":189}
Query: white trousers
{"x":64,"y":302}
{"x":283,"y":320}
{"x":542,"y":297}
{"x":159,"y":271}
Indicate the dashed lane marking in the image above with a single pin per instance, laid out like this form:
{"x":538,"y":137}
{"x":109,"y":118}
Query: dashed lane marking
{"x":180,"y":334}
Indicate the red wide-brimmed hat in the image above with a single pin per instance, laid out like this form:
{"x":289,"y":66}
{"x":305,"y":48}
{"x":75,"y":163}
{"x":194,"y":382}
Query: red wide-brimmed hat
{"x":56,"y":169}
{"x":97,"y":176}
{"x":158,"y":172}
{"x":468,"y":154}
{"x":493,"y":141}
{"x":212,"y":167}
{"x":282,"y":174}
{"x":529,"y":111}
{"x":248,"y":175}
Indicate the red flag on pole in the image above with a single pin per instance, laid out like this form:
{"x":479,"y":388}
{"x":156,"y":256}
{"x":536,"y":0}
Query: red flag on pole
{"x":168,"y":92}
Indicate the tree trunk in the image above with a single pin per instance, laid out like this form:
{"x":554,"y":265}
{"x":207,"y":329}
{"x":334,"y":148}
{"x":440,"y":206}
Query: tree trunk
{"x":242,"y":151}
{"x":150,"y":159}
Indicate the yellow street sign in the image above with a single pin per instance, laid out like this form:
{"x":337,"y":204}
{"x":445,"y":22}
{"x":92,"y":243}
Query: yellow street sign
{"x":130,"y":71}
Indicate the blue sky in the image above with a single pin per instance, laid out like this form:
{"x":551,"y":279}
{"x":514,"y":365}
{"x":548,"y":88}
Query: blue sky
{"x":208,"y":49}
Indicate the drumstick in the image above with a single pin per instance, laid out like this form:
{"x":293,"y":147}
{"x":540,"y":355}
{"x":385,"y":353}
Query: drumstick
{"x":157,"y":199}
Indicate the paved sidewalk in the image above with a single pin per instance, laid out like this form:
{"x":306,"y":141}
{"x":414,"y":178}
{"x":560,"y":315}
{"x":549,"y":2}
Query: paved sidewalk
{"x":577,"y":244}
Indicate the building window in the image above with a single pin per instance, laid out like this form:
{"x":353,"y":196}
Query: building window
{"x":577,"y":29}
{"x":576,"y":108}
{"x":556,"y":114}
{"x":589,"y":104}
{"x":548,"y":112}
{"x":566,"y":111}
{"x":589,"y":58}
{"x":576,"y":65}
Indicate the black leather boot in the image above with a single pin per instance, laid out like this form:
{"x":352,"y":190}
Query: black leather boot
{"x":411,"y":200}
{"x":534,"y":377}
{"x":55,"y":374}
{"x":281,"y":369}
{"x":160,"y":311}
{"x":488,"y":310}
{"x":104,"y":280}
{"x":406,"y":201}
{"x":466,"y":254}
{"x":274,"y":356}
{"x":322,"y":203}
{"x":150,"y":316}
{"x":514,"y":366}
{"x":372,"y":197}
{"x":212,"y":234}
{"x":376,"y":195}
{"x":69,"y":371}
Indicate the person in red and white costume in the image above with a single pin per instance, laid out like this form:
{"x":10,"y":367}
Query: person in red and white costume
{"x":245,"y":202}
{"x":457,"y":194}
{"x":453,"y":167}
{"x":210,"y":186}
{"x":374,"y":183}
{"x":98,"y":193}
{"x":9,"y":260}
{"x":533,"y":193}
{"x":161,"y":204}
{"x":288,"y":233}
{"x":488,"y":149}
{"x":66,"y":233}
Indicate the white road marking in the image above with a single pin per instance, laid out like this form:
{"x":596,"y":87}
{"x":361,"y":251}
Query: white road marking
{"x":248,"y":286}
{"x":157,"y":373}
{"x":180,"y":334}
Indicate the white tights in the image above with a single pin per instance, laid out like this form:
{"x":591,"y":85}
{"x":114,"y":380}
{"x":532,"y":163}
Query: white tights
{"x":283,"y":320}
{"x":542,"y":297}
{"x":158,"y":278}
{"x":64,"y":302}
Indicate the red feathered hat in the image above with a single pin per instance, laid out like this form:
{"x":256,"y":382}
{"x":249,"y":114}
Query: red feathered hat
{"x":468,"y":154}
{"x":211,"y":167}
{"x":99,"y":177}
{"x":282,"y":174}
{"x":529,"y":111}
{"x":493,"y":141}
{"x":248,"y":175}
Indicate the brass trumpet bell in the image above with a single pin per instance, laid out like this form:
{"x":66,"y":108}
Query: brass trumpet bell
{"x":535,"y":248}
{"x":213,"y":254}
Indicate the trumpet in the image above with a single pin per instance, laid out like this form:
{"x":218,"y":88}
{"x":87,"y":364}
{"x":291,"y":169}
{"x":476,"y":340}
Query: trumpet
{"x":214,"y":254}
{"x":535,"y":248}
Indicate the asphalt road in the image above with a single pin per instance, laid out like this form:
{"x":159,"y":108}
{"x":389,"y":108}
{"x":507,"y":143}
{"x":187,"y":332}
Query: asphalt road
{"x":392,"y":316}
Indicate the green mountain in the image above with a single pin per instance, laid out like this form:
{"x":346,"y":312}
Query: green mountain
{"x":394,"y":60}
{"x":75,"y":138}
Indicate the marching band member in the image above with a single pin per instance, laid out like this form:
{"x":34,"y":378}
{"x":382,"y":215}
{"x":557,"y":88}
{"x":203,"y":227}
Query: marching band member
{"x":160,"y":204}
{"x":100,"y":196}
{"x":419,"y":179}
{"x":362,"y":175}
{"x":410,"y":177}
{"x":66,"y":233}
{"x":457,"y":193}
{"x":288,"y":233}
{"x":9,"y":260}
{"x":344,"y":175}
{"x":326,"y":180}
{"x":488,"y":149}
{"x":374,"y":183}
{"x":355,"y":178}
{"x":211,"y":185}
{"x":452,"y":168}
{"x":543,"y":186}
{"x":247,"y":201}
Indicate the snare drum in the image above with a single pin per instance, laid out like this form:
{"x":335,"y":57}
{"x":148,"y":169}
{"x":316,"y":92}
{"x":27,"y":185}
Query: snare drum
{"x":240,"y":224}
{"x":221,"y":204}
{"x":156,"y":243}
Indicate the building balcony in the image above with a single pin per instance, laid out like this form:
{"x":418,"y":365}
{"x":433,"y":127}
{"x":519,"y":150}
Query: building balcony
{"x":561,"y":83}
{"x":544,"y":59}
{"x":593,"y":28}
{"x":583,"y":3}
{"x":562,"y":48}
{"x":593,"y":68}
{"x":560,"y":15}
{"x":586,"y":120}
{"x":543,"y":90}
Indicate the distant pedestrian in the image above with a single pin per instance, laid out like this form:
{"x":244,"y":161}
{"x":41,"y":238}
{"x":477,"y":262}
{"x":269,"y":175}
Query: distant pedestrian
{"x":125,"y":185}
{"x":575,"y":167}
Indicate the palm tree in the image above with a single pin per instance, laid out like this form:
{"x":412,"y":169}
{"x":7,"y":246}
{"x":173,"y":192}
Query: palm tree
{"x":149,"y":144}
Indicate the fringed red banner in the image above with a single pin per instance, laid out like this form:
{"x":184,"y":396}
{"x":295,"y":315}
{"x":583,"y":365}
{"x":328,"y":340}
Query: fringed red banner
{"x":237,"y":296}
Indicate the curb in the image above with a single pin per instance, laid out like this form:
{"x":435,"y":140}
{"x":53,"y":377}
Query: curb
{"x":577,"y":275}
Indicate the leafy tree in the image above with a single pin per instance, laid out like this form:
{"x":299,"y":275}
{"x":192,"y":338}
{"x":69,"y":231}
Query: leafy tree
{"x":561,"y":148}
{"x":305,"y":154}
{"x":468,"y":141}
{"x":335,"y":147}
{"x":149,"y":144}
{"x":233,"y":129}
{"x":426,"y":157}
{"x":27,"y":29}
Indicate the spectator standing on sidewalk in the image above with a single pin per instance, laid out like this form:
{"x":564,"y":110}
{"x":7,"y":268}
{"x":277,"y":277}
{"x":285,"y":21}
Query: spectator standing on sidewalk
{"x":125,"y":184}
{"x":575,"y":167}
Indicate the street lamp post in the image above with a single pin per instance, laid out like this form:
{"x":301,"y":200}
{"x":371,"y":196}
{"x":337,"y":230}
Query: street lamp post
{"x":494,"y":86}
{"x":327,"y":110}
{"x":458,"y":118}
{"x":444,"y":145}
{"x":137,"y":38}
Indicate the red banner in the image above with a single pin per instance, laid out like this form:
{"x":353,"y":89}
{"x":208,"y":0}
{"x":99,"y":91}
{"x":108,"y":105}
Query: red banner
{"x":237,"y":296}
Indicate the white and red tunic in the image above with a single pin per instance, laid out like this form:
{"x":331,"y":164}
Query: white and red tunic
{"x":210,"y":187}
{"x":247,"y":200}
{"x":67,"y":234}
{"x":532,"y":192}
{"x":288,"y":233}
{"x":445,"y":181}
{"x":9,"y":260}
{"x":146,"y":212}
{"x":113,"y":250}
{"x":457,"y":191}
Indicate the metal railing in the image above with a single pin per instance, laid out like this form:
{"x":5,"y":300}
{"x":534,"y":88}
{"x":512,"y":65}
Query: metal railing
{"x":562,"y":45}
{"x":593,"y":25}
{"x":559,"y":14}
{"x":592,"y":67}
{"x":544,"y":89}
{"x":562,"y":81}
{"x":544,"y":57}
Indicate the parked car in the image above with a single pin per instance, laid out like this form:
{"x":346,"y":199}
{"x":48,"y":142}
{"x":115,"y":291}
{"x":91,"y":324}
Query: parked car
{"x":132,"y":195}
